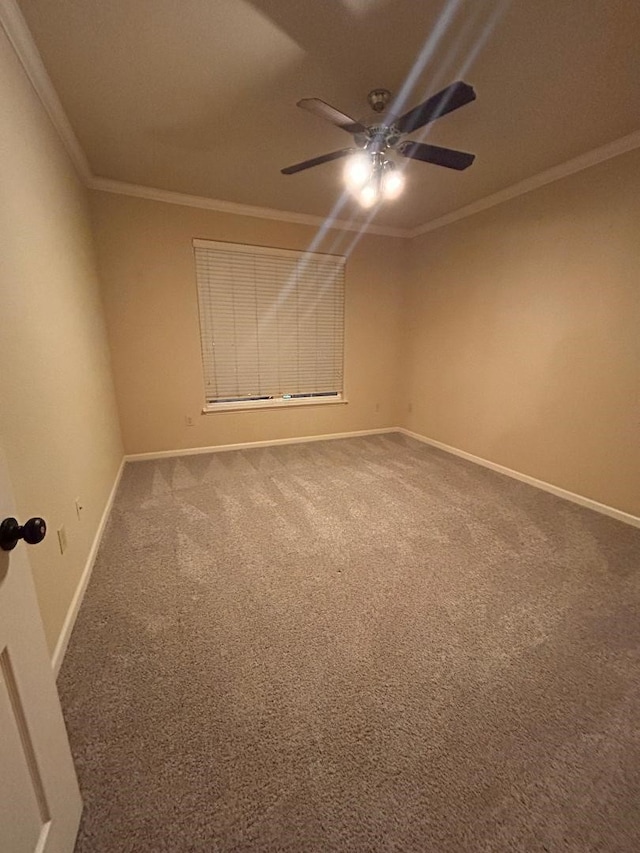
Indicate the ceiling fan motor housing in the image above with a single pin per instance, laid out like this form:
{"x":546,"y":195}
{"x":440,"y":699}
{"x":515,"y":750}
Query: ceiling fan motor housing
{"x":378,"y":137}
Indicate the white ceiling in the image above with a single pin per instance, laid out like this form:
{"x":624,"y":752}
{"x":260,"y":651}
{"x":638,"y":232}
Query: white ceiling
{"x":199,"y":96}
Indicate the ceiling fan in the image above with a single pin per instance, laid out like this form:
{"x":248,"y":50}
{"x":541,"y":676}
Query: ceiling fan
{"x":369,"y":174}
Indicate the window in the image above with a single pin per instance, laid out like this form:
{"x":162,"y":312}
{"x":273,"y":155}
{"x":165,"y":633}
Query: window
{"x":271,"y":325}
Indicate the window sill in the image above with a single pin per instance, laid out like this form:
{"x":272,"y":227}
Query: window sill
{"x":254,"y":405}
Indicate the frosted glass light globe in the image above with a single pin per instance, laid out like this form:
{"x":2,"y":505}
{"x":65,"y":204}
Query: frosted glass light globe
{"x":368,"y":195}
{"x":392,"y":183}
{"x":357,"y":170}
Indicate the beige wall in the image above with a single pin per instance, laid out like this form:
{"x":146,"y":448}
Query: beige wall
{"x":523,"y":334}
{"x":58,"y":422}
{"x":147,"y":269}
{"x":511,"y":334}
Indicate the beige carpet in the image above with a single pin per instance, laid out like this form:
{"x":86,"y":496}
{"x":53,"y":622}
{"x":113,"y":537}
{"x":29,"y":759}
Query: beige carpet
{"x":355,"y":645}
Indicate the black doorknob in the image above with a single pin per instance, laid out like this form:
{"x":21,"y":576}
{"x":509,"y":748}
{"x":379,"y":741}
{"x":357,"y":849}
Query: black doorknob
{"x":32,"y":531}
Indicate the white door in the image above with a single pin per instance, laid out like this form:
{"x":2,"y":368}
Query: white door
{"x":40,"y":802}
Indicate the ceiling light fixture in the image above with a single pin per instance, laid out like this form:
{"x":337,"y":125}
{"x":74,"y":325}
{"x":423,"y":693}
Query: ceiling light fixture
{"x":370,"y":177}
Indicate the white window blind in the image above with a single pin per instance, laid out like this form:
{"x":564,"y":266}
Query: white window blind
{"x":271,"y":323}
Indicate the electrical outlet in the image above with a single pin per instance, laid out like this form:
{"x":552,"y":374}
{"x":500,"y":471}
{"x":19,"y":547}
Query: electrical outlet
{"x":79,"y":509}
{"x":377,"y":407}
{"x":188,"y":420}
{"x":62,"y":539}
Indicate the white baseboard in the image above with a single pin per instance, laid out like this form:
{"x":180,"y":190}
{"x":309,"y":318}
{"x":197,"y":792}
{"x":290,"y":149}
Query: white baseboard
{"x":74,"y":607}
{"x":221,"y":448}
{"x":589,"y":503}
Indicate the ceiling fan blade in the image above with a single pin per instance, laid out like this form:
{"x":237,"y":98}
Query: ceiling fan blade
{"x":317,"y":161}
{"x":326,"y":111}
{"x":454,"y":96}
{"x":448,"y":157}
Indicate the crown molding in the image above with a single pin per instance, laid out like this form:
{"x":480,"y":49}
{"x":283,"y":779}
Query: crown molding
{"x":549,"y":176}
{"x":170,"y":197}
{"x":15,"y":26}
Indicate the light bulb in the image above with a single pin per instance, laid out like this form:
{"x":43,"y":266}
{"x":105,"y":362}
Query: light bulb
{"x":368,"y":195}
{"x":357,"y":171}
{"x":392,"y":183}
